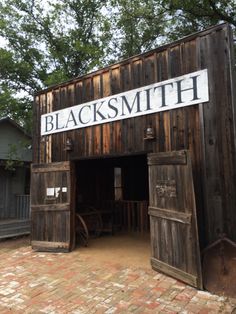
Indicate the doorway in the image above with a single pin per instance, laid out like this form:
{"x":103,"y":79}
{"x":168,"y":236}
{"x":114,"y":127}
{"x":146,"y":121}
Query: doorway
{"x":112,"y":203}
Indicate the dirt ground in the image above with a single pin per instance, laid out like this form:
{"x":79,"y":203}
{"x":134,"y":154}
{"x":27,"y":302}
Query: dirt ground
{"x":128,"y":250}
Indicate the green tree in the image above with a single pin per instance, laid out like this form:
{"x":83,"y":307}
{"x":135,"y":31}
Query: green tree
{"x":18,"y":109}
{"x":45,"y":47}
{"x":188,"y":16}
{"x":138,"y":25}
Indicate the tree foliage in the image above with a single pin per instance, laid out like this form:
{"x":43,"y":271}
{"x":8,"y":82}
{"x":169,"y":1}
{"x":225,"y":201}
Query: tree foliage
{"x":138,"y":25}
{"x":17,"y":108}
{"x":45,"y":47}
{"x":189,"y":16}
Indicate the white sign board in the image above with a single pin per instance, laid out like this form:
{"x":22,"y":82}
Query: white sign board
{"x":175,"y":93}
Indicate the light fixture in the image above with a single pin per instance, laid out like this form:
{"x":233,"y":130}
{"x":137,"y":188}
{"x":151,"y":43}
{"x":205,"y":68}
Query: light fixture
{"x":149,"y":133}
{"x":69,"y":144}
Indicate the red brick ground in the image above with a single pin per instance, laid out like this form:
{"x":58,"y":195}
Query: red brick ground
{"x":33,"y":282}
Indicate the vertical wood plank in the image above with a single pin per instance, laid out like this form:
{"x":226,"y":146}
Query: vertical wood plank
{"x":49,"y":137}
{"x":106,"y":91}
{"x":87,"y":96}
{"x":36,"y":129}
{"x":97,"y":93}
{"x":116,"y":125}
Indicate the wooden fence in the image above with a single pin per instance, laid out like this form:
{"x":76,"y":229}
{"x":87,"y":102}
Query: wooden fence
{"x":130,"y":215}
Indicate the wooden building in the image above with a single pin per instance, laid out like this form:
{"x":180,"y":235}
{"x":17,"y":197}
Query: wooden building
{"x":15,"y":159}
{"x":156,"y":129}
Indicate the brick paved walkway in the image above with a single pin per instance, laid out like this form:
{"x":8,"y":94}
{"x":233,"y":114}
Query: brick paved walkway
{"x":33,"y":282}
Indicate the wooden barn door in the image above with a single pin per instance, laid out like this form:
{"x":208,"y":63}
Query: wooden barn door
{"x":52,"y":206}
{"x":173,"y":224}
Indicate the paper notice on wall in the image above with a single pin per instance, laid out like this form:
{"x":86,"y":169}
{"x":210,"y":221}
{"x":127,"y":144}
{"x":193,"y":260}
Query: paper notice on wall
{"x":64,"y":189}
{"x":50,"y":191}
{"x":57,"y":190}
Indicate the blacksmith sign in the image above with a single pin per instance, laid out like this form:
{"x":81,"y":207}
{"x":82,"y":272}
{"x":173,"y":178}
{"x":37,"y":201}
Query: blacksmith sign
{"x":179,"y":92}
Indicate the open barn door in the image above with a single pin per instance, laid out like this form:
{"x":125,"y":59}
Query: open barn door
{"x":52,"y":207}
{"x":173,"y":223}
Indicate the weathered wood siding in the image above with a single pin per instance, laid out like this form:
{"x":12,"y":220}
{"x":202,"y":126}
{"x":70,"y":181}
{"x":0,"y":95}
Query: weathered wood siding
{"x":207,"y":130}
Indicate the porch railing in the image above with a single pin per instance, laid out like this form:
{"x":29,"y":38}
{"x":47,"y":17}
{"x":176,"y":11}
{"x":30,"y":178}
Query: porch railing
{"x":23,"y":206}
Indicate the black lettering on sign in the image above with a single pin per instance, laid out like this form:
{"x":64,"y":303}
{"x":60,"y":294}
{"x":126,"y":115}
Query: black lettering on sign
{"x":166,"y":188}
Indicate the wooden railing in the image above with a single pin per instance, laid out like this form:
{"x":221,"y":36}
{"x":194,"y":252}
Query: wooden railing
{"x":130,"y":215}
{"x":23,"y":206}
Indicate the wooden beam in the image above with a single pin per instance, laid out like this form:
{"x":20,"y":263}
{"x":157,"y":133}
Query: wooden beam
{"x":50,"y":246}
{"x":168,"y":214}
{"x":50,"y":167}
{"x":174,"y":272}
{"x":50,"y":207}
{"x":168,"y":158}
